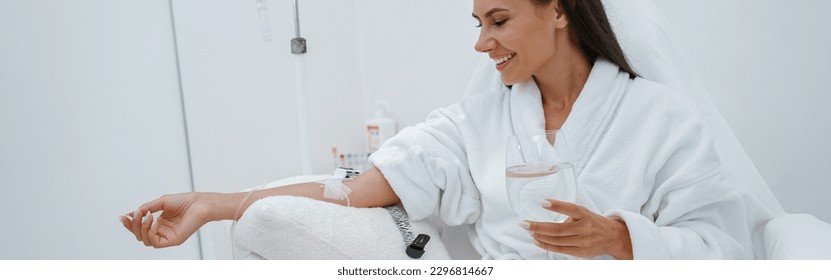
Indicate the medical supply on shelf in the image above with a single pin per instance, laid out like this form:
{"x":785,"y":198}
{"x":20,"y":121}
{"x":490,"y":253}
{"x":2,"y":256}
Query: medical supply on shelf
{"x":381,"y":127}
{"x":335,"y":157}
{"x":356,"y":161}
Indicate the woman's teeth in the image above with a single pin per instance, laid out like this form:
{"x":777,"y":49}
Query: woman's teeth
{"x":503,"y":59}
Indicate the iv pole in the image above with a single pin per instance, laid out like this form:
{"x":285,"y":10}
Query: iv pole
{"x":298,"y":48}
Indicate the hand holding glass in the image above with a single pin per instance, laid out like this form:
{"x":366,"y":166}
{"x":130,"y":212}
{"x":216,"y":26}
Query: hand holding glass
{"x":538,"y":167}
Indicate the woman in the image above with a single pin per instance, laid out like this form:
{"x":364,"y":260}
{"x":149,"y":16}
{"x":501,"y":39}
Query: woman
{"x":644,"y":160}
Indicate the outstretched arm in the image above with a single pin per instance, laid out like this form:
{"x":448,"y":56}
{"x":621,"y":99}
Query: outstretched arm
{"x":183,"y":214}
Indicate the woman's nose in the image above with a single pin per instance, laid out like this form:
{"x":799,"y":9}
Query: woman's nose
{"x":485,"y":43}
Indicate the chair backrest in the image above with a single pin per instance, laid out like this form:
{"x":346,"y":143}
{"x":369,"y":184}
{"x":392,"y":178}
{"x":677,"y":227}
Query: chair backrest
{"x":643,"y":33}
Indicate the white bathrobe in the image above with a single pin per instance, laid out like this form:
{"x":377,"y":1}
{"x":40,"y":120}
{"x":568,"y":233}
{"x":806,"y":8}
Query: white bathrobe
{"x":640,"y":154}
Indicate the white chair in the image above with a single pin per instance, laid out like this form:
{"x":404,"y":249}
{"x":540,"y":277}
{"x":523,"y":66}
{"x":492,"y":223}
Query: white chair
{"x":641,"y":29}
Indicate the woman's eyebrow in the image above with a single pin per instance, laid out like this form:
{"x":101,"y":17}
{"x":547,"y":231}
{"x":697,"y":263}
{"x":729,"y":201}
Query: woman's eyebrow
{"x":490,"y":12}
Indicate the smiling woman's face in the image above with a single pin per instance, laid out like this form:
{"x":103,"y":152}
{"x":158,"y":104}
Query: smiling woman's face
{"x":519,"y":36}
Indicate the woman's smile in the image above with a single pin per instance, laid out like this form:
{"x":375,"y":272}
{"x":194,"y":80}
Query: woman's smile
{"x":503,"y":61}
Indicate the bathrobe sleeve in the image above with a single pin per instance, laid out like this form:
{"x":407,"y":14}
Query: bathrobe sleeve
{"x":691,"y":212}
{"x":427,"y":167}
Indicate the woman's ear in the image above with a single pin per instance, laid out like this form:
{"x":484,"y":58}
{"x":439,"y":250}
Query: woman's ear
{"x":560,"y":17}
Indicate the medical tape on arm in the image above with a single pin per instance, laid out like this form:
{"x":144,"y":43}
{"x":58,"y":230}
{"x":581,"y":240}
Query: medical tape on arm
{"x":335,"y":189}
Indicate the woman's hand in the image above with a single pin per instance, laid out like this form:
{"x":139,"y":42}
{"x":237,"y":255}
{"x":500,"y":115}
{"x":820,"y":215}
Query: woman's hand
{"x":585,"y":234}
{"x":182,"y":215}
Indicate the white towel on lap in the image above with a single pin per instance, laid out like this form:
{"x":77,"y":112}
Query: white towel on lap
{"x":298,"y":228}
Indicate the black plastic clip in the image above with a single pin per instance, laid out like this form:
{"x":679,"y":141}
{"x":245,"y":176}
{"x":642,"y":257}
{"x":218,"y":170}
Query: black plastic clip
{"x":416,"y":249}
{"x":350,"y":172}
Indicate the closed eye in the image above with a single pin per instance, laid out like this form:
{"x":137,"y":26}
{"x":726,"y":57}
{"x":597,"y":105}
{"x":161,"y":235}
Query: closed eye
{"x":497,"y":23}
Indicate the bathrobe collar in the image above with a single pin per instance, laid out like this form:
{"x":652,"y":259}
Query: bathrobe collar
{"x":590,"y":114}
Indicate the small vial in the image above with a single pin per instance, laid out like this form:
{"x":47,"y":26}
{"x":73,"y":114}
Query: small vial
{"x":335,"y":158}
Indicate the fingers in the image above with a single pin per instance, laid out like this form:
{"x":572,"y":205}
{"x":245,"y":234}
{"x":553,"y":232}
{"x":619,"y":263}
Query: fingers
{"x":134,"y":221}
{"x":145,"y":228}
{"x":561,"y":238}
{"x":156,"y":232}
{"x":135,"y":226}
{"x":126,"y":222}
{"x":154,"y":206}
{"x":153,"y":234}
{"x":553,"y":229}
{"x":574,"y":211}
{"x":164,"y":237}
{"x":563,"y":241}
{"x":139,"y":226}
{"x":568,"y":250}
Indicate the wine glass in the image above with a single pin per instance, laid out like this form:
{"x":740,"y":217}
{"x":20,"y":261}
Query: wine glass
{"x":538,"y":167}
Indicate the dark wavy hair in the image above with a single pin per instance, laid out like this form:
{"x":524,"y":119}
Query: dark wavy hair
{"x":591,"y":29}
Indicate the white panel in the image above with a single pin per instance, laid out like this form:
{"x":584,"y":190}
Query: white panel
{"x":766,"y":66}
{"x":239,"y":90}
{"x":417,"y":57}
{"x":90,"y":126}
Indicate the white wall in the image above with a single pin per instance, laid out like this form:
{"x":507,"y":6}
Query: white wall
{"x":90,"y":126}
{"x":416,"y":57}
{"x":766,"y":65}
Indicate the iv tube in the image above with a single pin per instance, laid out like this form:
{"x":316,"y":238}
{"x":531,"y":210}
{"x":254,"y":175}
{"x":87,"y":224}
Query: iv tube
{"x":265,"y":24}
